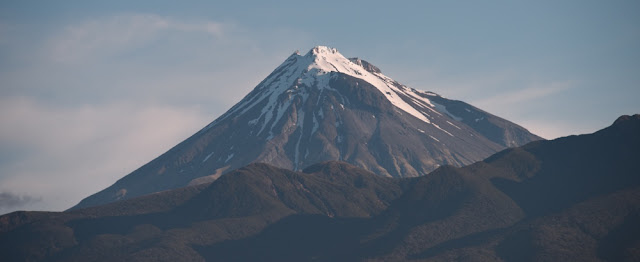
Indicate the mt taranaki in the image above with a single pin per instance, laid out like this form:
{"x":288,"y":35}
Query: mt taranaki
{"x":322,"y":106}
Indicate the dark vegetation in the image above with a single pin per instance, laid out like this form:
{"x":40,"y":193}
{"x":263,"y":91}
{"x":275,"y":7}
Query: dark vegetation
{"x":570,"y":199}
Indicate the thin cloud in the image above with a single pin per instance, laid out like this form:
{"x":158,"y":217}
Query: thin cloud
{"x":66,"y":154}
{"x":84,"y":104}
{"x":522,"y":96}
{"x":109,"y":35}
{"x":552,"y":129}
{"x":10,"y":200}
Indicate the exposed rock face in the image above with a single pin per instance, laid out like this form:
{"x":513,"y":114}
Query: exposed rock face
{"x":573,"y":198}
{"x":322,"y":106}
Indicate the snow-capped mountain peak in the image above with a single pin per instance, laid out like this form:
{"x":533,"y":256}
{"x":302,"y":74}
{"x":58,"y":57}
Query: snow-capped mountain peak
{"x":314,"y":70}
{"x":323,"y":106}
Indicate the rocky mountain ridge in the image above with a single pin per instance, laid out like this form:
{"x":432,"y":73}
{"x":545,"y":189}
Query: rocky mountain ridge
{"x":319,"y":107}
{"x":572,"y":198}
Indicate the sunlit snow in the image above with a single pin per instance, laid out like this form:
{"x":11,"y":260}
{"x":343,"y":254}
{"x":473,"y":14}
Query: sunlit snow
{"x":316,"y":69}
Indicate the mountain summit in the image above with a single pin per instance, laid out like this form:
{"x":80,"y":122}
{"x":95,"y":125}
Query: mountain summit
{"x":323,"y":106}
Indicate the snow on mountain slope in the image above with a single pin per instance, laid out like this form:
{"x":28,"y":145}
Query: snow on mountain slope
{"x":322,"y":106}
{"x":313,"y":69}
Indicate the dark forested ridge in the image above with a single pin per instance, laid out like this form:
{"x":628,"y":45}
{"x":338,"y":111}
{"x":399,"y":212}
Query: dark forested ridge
{"x":575,"y":198}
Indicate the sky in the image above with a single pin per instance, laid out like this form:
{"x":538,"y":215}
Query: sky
{"x":92,"y":90}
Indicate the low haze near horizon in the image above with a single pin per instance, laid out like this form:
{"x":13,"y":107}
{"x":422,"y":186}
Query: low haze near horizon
{"x":91,"y":91}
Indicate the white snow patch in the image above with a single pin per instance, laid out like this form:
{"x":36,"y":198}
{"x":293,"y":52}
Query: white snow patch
{"x":207,"y":157}
{"x":314,"y":69}
{"x":299,"y":122}
{"x":315,"y":125}
{"x":434,"y":138}
{"x":387,"y":86}
{"x":253,"y":122}
{"x":229,"y":157}
{"x":454,"y":125}
{"x":438,"y":127}
{"x":443,"y":109}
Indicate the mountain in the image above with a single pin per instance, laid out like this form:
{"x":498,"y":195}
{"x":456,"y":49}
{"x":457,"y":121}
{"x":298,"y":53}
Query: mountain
{"x":167,"y":226}
{"x":575,"y":198}
{"x":322,"y":106}
{"x":571,"y":199}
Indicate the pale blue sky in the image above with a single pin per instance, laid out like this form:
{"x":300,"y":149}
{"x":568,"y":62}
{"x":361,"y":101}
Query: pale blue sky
{"x":91,"y":91}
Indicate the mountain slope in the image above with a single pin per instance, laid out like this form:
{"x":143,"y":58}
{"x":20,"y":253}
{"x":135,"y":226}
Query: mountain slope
{"x":322,"y":106}
{"x":570,"y":199}
{"x":573,"y":198}
{"x":239,"y":204}
{"x":548,"y":198}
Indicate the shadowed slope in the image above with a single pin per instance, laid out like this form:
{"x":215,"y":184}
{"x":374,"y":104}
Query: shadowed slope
{"x":319,"y":107}
{"x":571,"y":199}
{"x":165,"y":226}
